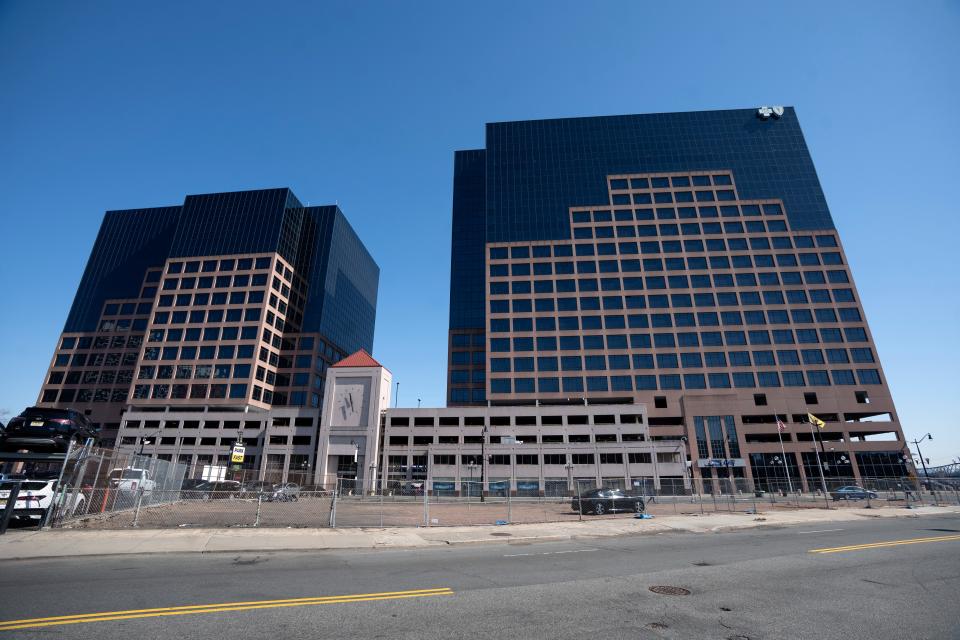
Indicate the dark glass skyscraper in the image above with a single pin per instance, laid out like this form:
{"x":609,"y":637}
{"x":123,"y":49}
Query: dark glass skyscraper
{"x":229,"y":300}
{"x":685,"y":260}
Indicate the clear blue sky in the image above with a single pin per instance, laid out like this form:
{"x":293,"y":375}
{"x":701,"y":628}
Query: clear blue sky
{"x":110,"y":105}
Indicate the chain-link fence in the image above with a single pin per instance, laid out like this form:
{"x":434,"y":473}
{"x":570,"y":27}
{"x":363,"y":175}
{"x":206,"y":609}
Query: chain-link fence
{"x":97,"y":483}
{"x":499,"y":501}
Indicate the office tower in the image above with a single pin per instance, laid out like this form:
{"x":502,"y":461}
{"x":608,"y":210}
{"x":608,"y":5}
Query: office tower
{"x":687,"y":261}
{"x":229,"y":301}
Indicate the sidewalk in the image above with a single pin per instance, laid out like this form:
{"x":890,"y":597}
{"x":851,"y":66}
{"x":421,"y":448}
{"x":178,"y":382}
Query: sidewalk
{"x":19,"y":545}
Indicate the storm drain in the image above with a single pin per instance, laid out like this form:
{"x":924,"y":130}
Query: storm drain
{"x":665,"y":590}
{"x":501,"y":534}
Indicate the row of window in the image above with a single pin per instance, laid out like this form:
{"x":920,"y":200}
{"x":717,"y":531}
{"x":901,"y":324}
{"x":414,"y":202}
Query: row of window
{"x":645,"y":214}
{"x":826,"y":315}
{"x":694,"y":359}
{"x":682,"y":339}
{"x":100,"y":342}
{"x":211,"y":352}
{"x":740,"y":380}
{"x":85,"y":395}
{"x":203,"y":299}
{"x":709,"y":244}
{"x":552,"y":458}
{"x":676,"y":300}
{"x":664,"y":182}
{"x":186,"y":371}
{"x":227,"y":264}
{"x":122,"y":324}
{"x":193,"y":391}
{"x":96,"y":359}
{"x":667,"y":197}
{"x":523,"y":269}
{"x":94,"y":376}
{"x":126,"y":308}
{"x":196,"y":334}
{"x":216,"y":282}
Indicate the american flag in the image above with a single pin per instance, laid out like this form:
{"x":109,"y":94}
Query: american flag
{"x":780,"y":426}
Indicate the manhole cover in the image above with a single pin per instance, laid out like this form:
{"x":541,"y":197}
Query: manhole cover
{"x":501,"y":534}
{"x":670,"y":591}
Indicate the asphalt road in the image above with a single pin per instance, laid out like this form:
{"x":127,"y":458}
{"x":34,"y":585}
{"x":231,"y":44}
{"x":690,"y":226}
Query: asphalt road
{"x":763,"y":583}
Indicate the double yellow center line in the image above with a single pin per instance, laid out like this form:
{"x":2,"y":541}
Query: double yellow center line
{"x":879,"y":545}
{"x":10,"y":625}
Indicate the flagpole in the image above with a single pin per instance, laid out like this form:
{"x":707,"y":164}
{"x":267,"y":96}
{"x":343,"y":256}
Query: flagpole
{"x":785,"y":465}
{"x":816,"y":450}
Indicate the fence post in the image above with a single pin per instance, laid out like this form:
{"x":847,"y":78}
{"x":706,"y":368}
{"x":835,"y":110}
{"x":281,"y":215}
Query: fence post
{"x":9,"y":507}
{"x":136,"y":513}
{"x":579,"y":501}
{"x":426,"y":505}
{"x":256,"y":522}
{"x":333,"y":505}
{"x":509,"y":507}
{"x":381,"y":507}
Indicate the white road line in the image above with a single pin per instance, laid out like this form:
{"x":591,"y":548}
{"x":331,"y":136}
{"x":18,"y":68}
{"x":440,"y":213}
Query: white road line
{"x":820,"y":531}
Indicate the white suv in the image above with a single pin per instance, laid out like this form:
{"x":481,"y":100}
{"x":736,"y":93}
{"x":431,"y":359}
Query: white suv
{"x":35,"y":498}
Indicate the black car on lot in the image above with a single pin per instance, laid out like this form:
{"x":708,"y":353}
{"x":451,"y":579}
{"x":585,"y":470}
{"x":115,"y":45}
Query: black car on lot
{"x":601,"y":501}
{"x":213,"y":490}
{"x":852,"y":492}
{"x":44,"y":429}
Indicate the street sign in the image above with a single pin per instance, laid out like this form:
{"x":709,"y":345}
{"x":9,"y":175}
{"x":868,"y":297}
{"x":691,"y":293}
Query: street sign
{"x":238,"y":451}
{"x":721,"y":462}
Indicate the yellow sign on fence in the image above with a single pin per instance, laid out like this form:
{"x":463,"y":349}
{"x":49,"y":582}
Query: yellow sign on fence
{"x":238,"y":451}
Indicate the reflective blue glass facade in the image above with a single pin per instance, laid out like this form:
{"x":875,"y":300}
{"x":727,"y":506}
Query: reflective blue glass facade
{"x":342,"y":276}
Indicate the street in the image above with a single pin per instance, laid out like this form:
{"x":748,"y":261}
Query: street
{"x":879,"y":578}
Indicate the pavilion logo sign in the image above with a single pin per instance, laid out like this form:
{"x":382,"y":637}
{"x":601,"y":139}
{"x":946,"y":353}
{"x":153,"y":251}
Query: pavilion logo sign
{"x":766,"y":112}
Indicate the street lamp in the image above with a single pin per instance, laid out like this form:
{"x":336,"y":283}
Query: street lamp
{"x":143,"y":440}
{"x":923,"y":463}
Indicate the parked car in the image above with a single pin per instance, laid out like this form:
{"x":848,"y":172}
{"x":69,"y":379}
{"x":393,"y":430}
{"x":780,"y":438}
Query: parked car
{"x":285,"y":492}
{"x":256,"y":488}
{"x":601,"y":501}
{"x":35,"y":498}
{"x":411,"y":489}
{"x":190,"y":484}
{"x":214,"y":490}
{"x":852,"y":492}
{"x":132,"y":479}
{"x":43,"y":429}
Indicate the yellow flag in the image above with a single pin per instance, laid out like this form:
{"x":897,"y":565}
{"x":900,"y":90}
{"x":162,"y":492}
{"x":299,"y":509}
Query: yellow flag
{"x":812,"y":419}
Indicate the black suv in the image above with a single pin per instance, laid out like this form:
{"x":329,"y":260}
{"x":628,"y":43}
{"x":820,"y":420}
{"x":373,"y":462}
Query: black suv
{"x":39,"y":428}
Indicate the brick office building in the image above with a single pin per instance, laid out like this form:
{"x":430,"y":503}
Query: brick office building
{"x":229,"y":303}
{"x":687,"y":261}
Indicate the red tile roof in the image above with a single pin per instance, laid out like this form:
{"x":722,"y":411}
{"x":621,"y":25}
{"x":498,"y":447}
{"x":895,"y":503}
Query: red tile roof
{"x":359,"y":359}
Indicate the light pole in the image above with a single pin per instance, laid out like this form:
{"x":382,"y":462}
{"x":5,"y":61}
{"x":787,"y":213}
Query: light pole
{"x":471,"y":466}
{"x":569,"y":468}
{"x":483,"y":460}
{"x":923,"y":463}
{"x":143,"y":440}
{"x":682,"y":450}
